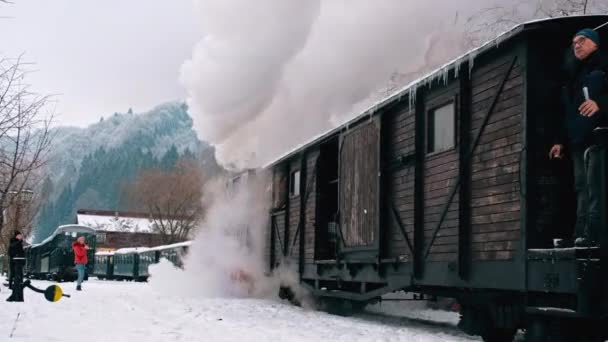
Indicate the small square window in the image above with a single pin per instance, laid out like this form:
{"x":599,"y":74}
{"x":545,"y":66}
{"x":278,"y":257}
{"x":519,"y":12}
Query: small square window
{"x":294,"y":184}
{"x":442,"y":128}
{"x":101,"y":237}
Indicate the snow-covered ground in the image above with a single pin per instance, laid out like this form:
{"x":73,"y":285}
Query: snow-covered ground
{"x":125,"y":311}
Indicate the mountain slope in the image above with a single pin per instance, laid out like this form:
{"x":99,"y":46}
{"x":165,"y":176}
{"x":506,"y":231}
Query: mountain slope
{"x":88,"y":167}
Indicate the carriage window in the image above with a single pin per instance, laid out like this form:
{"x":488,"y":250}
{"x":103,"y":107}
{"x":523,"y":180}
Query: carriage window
{"x":294,"y":184}
{"x":442,"y":128}
{"x":101,"y":237}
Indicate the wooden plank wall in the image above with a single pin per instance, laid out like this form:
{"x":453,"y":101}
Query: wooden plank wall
{"x":279,"y":235}
{"x":267,"y":243}
{"x":440,"y":176}
{"x":495,"y":201}
{"x":359,"y":209}
{"x":495,"y":195}
{"x":398,"y":141}
{"x":311,"y":206}
{"x":294,"y":212}
{"x":309,"y":184}
{"x":276,"y":224}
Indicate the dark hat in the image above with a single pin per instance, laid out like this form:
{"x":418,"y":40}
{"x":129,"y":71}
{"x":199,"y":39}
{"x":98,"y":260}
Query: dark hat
{"x":17,"y":233}
{"x":591,"y":34}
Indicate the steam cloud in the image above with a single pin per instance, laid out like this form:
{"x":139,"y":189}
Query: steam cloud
{"x":232,"y":240}
{"x":268,"y":75}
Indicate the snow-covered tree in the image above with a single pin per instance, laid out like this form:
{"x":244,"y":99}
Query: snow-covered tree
{"x":490,"y":22}
{"x":25,"y":137}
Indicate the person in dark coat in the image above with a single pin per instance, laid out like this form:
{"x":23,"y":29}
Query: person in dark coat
{"x":585,"y":102}
{"x":17,"y":260}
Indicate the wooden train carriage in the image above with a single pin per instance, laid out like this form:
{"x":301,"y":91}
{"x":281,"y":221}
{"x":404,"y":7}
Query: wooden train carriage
{"x":104,"y":265}
{"x":443,"y":188}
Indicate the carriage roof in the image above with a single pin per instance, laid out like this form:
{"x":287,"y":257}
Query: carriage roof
{"x":132,"y":250}
{"x":175,"y":245}
{"x":408,"y":92}
{"x":68,"y":228}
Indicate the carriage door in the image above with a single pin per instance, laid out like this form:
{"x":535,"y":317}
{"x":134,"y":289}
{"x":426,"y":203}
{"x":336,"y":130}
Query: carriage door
{"x":359,"y":189}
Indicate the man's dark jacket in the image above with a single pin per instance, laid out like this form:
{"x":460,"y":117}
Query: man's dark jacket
{"x":578,"y":129}
{"x":15,"y":249}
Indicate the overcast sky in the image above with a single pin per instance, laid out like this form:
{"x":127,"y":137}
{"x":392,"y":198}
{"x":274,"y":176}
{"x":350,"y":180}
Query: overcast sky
{"x":101,"y":57}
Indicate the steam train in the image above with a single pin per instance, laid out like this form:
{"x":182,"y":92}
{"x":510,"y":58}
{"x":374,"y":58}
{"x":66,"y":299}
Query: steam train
{"x":133,"y":263}
{"x":53,"y":258}
{"x":445,"y":189}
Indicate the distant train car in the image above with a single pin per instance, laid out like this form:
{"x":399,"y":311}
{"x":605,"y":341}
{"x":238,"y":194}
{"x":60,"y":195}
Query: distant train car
{"x":174,"y":253}
{"x":104,"y":265}
{"x":133,"y":263}
{"x":54,"y":258}
{"x":146,"y":258}
{"x":126,"y":263}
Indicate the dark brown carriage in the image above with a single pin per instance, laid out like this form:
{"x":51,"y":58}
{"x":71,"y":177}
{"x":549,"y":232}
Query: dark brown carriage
{"x":445,"y":189}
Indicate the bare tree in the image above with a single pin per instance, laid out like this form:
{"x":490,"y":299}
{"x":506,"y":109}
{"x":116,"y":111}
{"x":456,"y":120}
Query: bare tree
{"x":490,"y":22}
{"x":25,"y":137}
{"x":19,"y":215}
{"x":173,"y":199}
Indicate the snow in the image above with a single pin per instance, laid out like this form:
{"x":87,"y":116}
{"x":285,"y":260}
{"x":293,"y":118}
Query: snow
{"x":131,"y":250}
{"x":117,"y":224}
{"x":126,"y":311}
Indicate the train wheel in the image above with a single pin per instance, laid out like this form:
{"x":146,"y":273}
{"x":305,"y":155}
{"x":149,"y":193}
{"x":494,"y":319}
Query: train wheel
{"x":551,"y":329}
{"x":341,"y":307}
{"x":499,"y":335}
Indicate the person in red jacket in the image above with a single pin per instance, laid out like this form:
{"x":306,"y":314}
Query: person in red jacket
{"x":80,"y":259}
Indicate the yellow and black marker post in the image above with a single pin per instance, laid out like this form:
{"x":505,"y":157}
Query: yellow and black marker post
{"x":52,"y":293}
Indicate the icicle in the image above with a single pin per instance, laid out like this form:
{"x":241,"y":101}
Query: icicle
{"x":457,"y":67}
{"x":472,"y":57}
{"x":445,"y":75}
{"x":412,"y":96}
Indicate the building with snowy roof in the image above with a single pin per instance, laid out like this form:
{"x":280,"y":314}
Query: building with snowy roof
{"x":120,"y":229}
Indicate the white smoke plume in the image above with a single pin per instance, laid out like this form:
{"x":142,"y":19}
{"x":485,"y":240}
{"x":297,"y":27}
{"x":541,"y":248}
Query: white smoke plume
{"x":226,"y":258}
{"x":268,"y":75}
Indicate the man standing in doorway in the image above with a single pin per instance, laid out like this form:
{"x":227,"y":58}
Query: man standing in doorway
{"x":585,"y":101}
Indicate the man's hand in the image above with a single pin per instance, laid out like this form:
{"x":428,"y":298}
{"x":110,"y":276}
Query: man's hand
{"x":86,"y":247}
{"x":556,"y":151}
{"x":588,"y":108}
